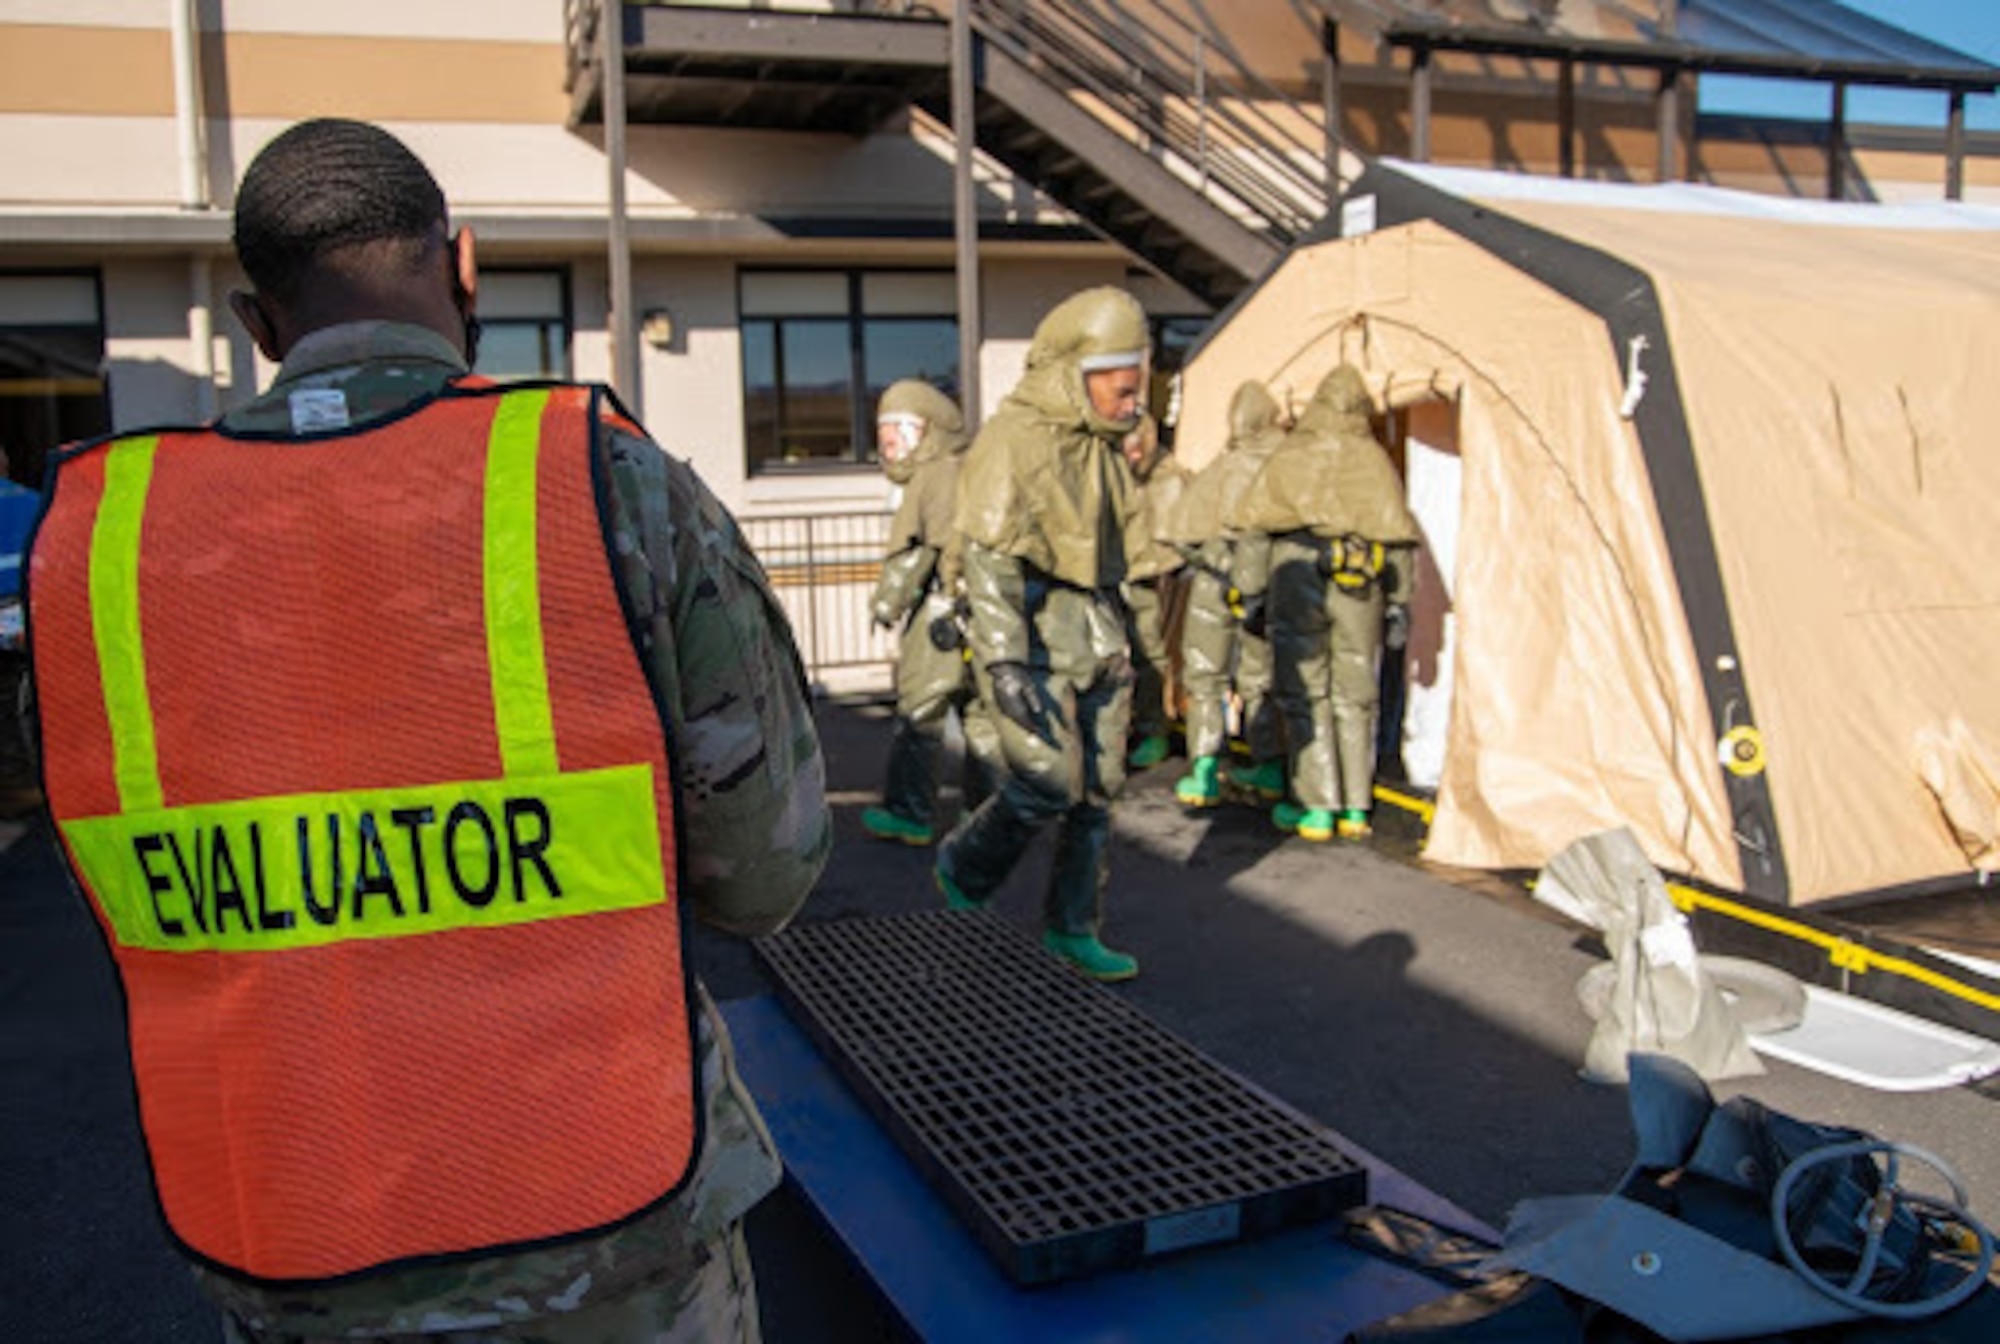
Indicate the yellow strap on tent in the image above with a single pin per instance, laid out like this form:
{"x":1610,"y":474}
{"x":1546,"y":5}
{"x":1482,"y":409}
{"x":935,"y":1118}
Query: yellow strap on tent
{"x":1844,"y":953}
{"x":114,"y":622}
{"x":1423,"y":808}
{"x":515,"y":649}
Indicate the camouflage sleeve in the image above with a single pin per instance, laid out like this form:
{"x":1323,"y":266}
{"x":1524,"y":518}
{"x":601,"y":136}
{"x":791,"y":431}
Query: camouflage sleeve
{"x":754,"y":827}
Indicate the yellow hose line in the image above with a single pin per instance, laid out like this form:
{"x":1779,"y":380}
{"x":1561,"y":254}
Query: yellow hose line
{"x":1844,"y":953}
{"x":1409,"y":803}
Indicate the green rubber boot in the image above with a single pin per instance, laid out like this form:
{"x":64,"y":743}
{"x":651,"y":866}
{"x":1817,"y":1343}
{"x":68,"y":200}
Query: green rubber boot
{"x":1094,"y":959}
{"x":1201,"y":787}
{"x":1266,"y":779}
{"x":1148,"y":751}
{"x":1308,"y":823}
{"x":883,"y":824}
{"x":1354,"y":825}
{"x":954,"y":899}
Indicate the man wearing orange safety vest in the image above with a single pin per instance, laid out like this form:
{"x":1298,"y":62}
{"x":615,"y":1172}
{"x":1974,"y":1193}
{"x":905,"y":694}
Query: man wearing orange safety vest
{"x":389,"y":725}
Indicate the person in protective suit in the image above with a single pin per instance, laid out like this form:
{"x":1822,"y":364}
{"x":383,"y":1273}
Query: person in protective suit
{"x":1151,"y":572}
{"x":920,"y":436}
{"x":1215,"y":650}
{"x":1043,"y":503}
{"x":1327,"y":548}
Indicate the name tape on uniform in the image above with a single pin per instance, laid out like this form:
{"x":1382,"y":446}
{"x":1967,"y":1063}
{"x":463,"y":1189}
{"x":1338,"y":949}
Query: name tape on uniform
{"x":310,"y":869}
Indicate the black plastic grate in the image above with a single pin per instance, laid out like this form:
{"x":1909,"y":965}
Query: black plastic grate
{"x":1070,"y":1131}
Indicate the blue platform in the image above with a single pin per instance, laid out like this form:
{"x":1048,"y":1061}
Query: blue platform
{"x":1302,"y":1284}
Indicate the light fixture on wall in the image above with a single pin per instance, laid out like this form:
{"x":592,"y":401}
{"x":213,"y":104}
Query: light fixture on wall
{"x":658,"y":327}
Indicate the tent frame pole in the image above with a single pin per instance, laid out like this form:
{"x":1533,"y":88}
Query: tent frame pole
{"x":1566,"y":118}
{"x":1954,"y":148}
{"x":1420,"y":103}
{"x":965,"y":208}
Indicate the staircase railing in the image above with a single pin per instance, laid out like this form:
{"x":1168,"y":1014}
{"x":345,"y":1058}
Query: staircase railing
{"x":579,"y":39}
{"x":1180,"y":95}
{"x":1153,"y":76}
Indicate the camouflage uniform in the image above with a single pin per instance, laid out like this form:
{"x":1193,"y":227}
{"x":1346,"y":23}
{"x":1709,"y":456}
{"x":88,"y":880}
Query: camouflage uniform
{"x":1152,"y":567}
{"x":1043,"y":504}
{"x":1329,"y":535}
{"x":1215,"y":651}
{"x":755,"y":831}
{"x":917,"y":592}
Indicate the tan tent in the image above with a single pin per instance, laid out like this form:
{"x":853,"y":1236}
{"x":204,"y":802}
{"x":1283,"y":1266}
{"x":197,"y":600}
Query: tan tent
{"x":1726,"y":558}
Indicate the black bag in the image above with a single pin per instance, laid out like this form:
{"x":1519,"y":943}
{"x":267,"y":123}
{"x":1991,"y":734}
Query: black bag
{"x":1856,"y":1259}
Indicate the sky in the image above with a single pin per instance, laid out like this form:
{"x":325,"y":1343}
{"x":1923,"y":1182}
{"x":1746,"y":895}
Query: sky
{"x":1970,"y":26}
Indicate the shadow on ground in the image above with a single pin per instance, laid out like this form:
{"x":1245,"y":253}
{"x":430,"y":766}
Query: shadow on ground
{"x":1434,"y":1026}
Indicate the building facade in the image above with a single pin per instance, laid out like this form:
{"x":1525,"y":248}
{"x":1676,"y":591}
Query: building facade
{"x":781,"y":276}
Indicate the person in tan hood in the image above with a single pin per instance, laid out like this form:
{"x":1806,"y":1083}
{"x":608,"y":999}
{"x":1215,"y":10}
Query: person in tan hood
{"x":1152,"y":569}
{"x":1327,"y":546}
{"x":920,"y":436}
{"x":1215,"y":651}
{"x":1043,"y":504}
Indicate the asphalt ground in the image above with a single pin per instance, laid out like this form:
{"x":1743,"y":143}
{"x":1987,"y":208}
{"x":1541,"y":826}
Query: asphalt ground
{"x":1429,"y":1016}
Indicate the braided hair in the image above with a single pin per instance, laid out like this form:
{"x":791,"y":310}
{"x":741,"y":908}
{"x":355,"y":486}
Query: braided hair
{"x":324,"y":187}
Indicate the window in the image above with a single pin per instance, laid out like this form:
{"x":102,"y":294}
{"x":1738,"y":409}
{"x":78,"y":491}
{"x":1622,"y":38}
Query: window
{"x":819,"y":347}
{"x":524,"y":324}
{"x":52,"y":384}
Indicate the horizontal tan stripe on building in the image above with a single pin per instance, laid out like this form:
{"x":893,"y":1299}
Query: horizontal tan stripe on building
{"x":49,"y":68}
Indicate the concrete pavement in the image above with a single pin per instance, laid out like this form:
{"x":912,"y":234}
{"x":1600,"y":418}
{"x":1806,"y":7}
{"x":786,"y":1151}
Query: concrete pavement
{"x":1434,"y":1024}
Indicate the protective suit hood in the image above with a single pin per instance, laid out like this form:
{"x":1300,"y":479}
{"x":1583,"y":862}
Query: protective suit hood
{"x":944,"y":426}
{"x":1252,"y":411}
{"x":1103,"y":328}
{"x":1330,"y":476}
{"x":1256,"y":426}
{"x":1044,"y":481}
{"x":1339,"y":405}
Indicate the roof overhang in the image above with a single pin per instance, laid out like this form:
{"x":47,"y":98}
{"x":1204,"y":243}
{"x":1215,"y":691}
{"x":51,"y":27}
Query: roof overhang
{"x":1672,"y":55}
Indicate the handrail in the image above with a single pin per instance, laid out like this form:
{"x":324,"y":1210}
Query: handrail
{"x":1160,"y":82}
{"x":579,"y":38}
{"x":1204,"y":106}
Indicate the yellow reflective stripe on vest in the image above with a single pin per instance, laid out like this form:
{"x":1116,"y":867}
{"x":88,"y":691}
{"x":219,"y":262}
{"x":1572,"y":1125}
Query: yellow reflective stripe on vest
{"x":516,"y":653}
{"x":266,"y":874}
{"x":114,"y":622}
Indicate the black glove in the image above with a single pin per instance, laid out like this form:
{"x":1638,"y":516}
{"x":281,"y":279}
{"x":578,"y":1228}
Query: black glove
{"x":1254,"y":619}
{"x":945,"y":634}
{"x":1017,"y":696}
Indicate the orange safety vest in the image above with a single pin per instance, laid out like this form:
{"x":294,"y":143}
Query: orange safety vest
{"x":352,"y":750}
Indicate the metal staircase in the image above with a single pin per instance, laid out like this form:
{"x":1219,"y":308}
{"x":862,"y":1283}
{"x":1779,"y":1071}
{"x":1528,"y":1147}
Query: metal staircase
{"x":1139,"y":125}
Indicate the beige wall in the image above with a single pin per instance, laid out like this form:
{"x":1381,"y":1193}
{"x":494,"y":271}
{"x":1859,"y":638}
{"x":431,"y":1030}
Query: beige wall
{"x":511,"y":20}
{"x":88,"y":134}
{"x":692,"y":391}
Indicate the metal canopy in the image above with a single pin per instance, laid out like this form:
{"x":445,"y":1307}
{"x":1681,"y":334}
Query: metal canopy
{"x":1805,"y":39}
{"x":1813,"y":40}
